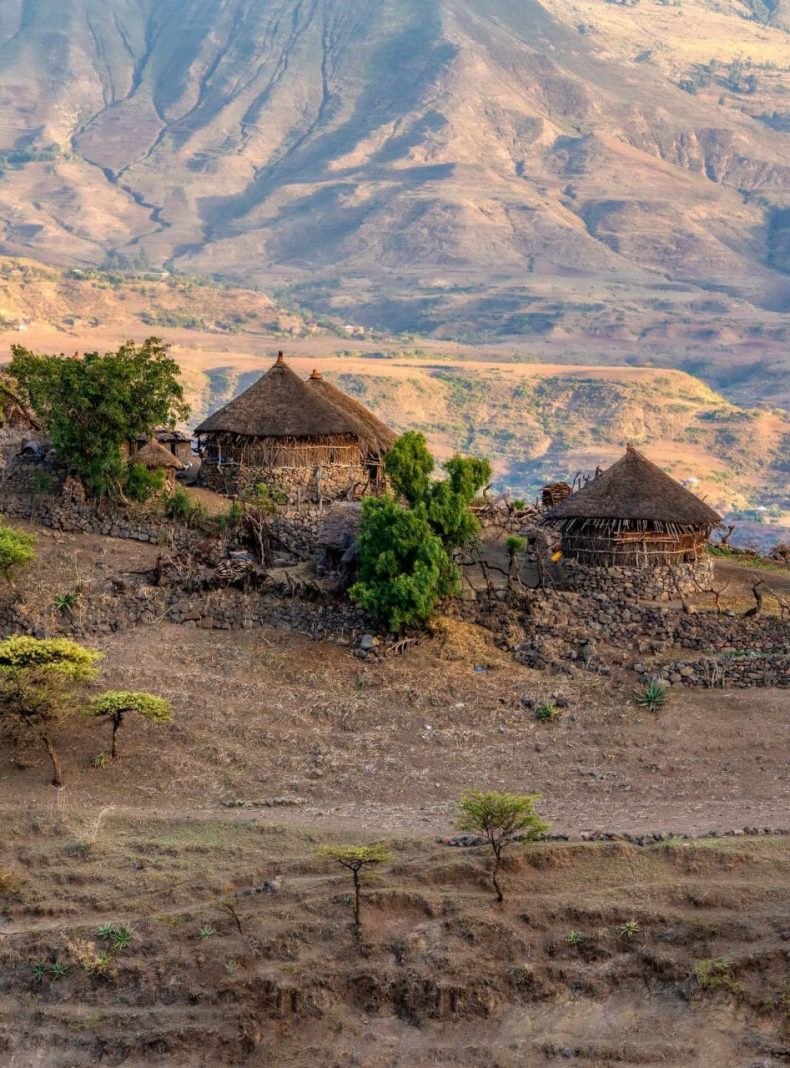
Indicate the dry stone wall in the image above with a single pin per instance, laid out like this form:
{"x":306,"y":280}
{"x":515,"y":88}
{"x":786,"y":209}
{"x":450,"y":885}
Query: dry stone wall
{"x":648,"y":583}
{"x":296,"y":485}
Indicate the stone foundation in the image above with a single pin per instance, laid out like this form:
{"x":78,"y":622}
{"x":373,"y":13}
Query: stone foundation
{"x":643,"y":584}
{"x":294,"y":486}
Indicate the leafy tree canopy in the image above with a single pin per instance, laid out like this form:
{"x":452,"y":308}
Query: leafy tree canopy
{"x":120,"y":702}
{"x":404,"y":567}
{"x":406,"y":550}
{"x":60,"y":656}
{"x":40,"y":685}
{"x":91,"y":406}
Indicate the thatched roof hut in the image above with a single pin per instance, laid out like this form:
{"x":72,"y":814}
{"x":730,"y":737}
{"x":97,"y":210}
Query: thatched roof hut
{"x":377,"y":435}
{"x":156,"y":457}
{"x":633,"y":514}
{"x":280,"y":422}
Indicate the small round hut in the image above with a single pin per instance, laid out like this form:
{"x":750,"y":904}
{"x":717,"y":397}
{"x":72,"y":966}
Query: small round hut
{"x":292,"y":437}
{"x":377,"y":437}
{"x":157,"y":457}
{"x":636,"y":526}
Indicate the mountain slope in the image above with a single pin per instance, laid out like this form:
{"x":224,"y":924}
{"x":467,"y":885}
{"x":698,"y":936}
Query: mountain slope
{"x":367,"y":152}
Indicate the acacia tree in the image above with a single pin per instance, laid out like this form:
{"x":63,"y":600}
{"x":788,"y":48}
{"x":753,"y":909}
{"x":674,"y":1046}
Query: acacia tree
{"x":354,"y":859}
{"x":407,"y":543}
{"x":41,"y":682}
{"x":115,"y":705}
{"x":501,"y":819}
{"x":90,"y":407}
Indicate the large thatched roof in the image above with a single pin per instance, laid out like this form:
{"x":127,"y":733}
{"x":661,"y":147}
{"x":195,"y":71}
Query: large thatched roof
{"x":378,"y":435}
{"x":280,"y":405}
{"x":154,"y":455}
{"x":636,"y":489}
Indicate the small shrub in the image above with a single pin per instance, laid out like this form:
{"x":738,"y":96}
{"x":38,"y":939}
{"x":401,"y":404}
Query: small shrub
{"x":575,"y":938}
{"x":714,"y":974}
{"x":547,"y":712}
{"x":59,"y":970}
{"x":207,"y":932}
{"x":65,"y":602}
{"x":121,"y":939}
{"x":10,"y":883}
{"x":39,"y":972}
{"x":628,"y":930}
{"x":16,"y":550}
{"x":653,"y":695}
{"x":523,"y":975}
{"x":142,"y":484}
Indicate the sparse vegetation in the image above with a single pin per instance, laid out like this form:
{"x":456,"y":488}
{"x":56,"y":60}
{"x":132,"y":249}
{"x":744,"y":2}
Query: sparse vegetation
{"x":115,"y":705}
{"x":502,"y":819}
{"x":715,"y":974}
{"x":355,"y":859}
{"x":41,"y":681}
{"x":547,"y":712}
{"x":17,"y":548}
{"x":653,"y":695}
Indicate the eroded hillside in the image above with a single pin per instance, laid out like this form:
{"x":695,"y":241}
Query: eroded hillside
{"x":389,"y":156}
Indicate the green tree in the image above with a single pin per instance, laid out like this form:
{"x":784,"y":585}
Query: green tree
{"x":404,"y":567}
{"x":354,"y":859}
{"x":501,"y":819}
{"x":41,"y":682}
{"x":90,"y":407}
{"x":115,"y":705}
{"x":16,"y":550}
{"x":406,"y":550}
{"x":408,"y":465}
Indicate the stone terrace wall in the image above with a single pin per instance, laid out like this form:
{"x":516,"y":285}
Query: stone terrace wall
{"x":552,"y":629}
{"x":304,"y":484}
{"x":647,"y":584}
{"x":74,"y":516}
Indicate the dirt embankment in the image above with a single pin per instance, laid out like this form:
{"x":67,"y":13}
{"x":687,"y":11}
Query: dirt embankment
{"x":601,"y":954}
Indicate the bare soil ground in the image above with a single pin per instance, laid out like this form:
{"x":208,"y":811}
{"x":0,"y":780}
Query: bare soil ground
{"x":441,"y":974}
{"x":381,"y":749}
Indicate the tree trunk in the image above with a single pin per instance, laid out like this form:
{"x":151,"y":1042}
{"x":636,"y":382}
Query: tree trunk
{"x":355,"y":872}
{"x":116,"y":724}
{"x":494,"y":872}
{"x":54,"y":756}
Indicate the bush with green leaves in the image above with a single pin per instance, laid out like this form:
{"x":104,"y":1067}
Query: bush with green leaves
{"x":142,"y":484}
{"x":41,"y":684}
{"x":547,"y":712}
{"x":180,"y":506}
{"x":502,"y":819}
{"x":17,"y":548}
{"x":406,"y":543}
{"x":115,"y":705}
{"x":66,"y":602}
{"x":92,"y":406}
{"x":354,"y":859}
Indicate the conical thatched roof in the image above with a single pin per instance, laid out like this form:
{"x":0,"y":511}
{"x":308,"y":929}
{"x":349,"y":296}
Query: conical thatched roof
{"x":153,"y":455}
{"x":634,"y":488}
{"x":378,"y":435}
{"x":280,"y":405}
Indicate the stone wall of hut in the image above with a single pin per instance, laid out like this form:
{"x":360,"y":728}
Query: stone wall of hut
{"x":294,"y":485}
{"x":663,"y":583}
